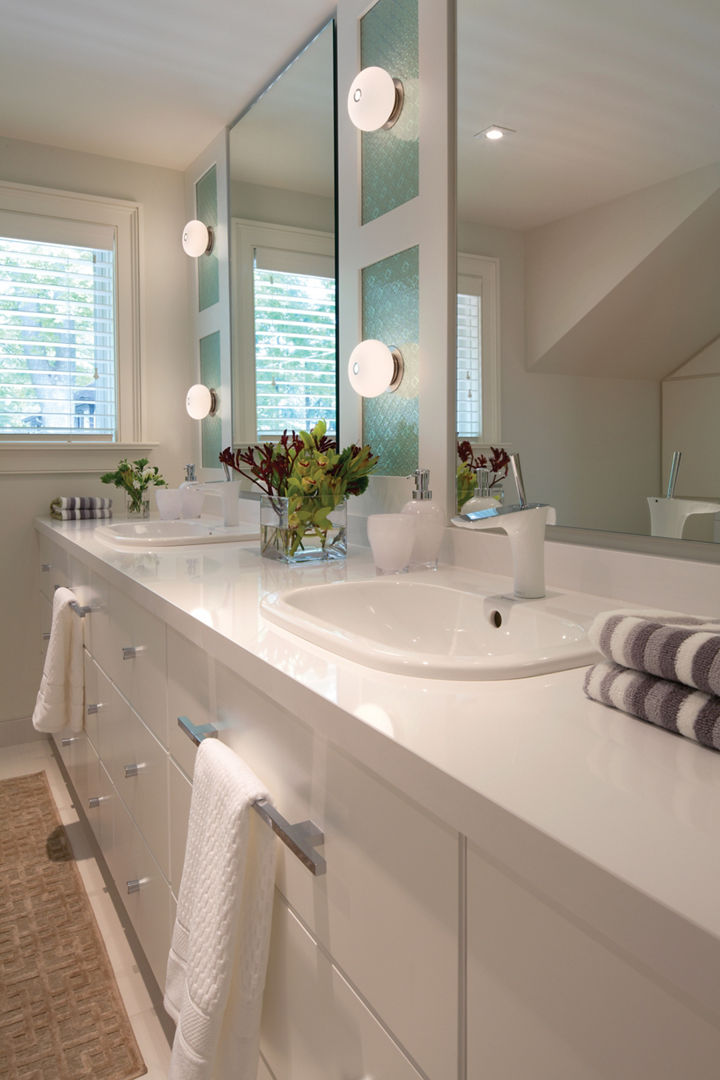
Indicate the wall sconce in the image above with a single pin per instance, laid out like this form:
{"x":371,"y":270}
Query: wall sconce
{"x":375,"y":99}
{"x":197,"y":239}
{"x":374,"y":368}
{"x":201,"y":402}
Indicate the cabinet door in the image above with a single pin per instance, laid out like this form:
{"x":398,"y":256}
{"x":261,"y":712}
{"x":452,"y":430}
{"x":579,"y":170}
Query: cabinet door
{"x":313,"y":1024}
{"x":387,"y":908}
{"x":548,"y":1000}
{"x":180,"y":790}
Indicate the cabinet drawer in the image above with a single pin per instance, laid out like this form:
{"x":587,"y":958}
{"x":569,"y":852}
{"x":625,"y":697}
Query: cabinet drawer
{"x":144,"y":890}
{"x":387,"y":908}
{"x":99,"y":807}
{"x":137,"y":765}
{"x":190,"y":677}
{"x":180,"y":790}
{"x":313,"y":1024}
{"x":80,"y":760}
{"x":52,"y":566}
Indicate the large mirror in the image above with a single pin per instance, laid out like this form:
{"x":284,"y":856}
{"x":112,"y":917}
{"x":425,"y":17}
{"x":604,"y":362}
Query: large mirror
{"x":599,"y":213}
{"x":282,"y":251}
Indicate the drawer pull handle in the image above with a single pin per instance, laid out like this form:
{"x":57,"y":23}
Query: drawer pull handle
{"x":136,"y":884}
{"x":95,"y":800}
{"x":46,"y":567}
{"x":46,"y":636}
{"x":92,"y":710}
{"x":69,"y":740}
{"x":132,"y":770}
{"x":129,"y":652}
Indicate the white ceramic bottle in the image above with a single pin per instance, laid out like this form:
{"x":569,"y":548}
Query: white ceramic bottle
{"x":429,"y":522}
{"x":481,"y":499}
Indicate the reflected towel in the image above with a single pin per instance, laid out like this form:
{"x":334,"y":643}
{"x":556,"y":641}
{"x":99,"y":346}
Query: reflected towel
{"x":60,"y":697}
{"x":218,"y":955}
{"x":662,"y":702}
{"x":684,"y":648}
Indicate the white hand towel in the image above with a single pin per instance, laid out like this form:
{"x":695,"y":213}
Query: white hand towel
{"x":60,"y":697}
{"x":218,"y":955}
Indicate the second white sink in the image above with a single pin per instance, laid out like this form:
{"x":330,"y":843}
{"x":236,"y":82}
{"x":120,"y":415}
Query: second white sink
{"x":149,"y":534}
{"x":435,"y":629}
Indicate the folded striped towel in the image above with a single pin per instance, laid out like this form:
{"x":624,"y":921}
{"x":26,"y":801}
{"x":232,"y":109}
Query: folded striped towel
{"x":79,"y":515}
{"x":81,"y":502}
{"x":667,"y":704}
{"x":684,"y":648}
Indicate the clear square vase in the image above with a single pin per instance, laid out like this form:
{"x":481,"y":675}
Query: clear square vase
{"x":301,"y":529}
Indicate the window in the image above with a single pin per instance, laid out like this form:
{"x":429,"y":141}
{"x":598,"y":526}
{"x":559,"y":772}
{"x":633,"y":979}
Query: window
{"x":478,"y":383}
{"x":69,"y":317}
{"x":284,"y":332}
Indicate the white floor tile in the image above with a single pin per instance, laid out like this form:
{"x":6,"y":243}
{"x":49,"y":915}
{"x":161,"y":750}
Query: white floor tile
{"x":33,"y":757}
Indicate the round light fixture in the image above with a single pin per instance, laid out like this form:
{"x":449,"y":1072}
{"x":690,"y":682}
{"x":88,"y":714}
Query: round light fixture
{"x":200,"y":402}
{"x":375,"y":99}
{"x":494,"y":133}
{"x":197,"y":239}
{"x":374,"y":368}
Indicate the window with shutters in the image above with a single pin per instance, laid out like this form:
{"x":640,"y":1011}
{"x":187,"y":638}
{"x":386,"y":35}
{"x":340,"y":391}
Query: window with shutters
{"x":69,"y":359}
{"x":285,"y":338}
{"x":478,"y":354}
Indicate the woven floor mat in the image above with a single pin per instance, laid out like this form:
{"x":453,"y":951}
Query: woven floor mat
{"x":61,"y":1015}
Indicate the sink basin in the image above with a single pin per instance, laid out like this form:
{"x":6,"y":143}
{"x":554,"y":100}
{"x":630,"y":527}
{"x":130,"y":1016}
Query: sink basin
{"x":435,"y":630}
{"x":133,"y":534}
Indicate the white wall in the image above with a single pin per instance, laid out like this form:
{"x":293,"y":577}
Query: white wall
{"x":167,"y":369}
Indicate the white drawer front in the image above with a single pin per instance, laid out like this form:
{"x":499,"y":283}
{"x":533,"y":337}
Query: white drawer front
{"x":180,"y":790}
{"x":52,"y":566}
{"x":142,"y":675}
{"x":99,"y":808}
{"x":313,"y":1024}
{"x":387,"y":908}
{"x":190,"y":693}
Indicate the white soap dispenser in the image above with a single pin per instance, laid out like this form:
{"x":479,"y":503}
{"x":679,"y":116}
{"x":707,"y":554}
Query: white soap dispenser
{"x":429,"y":522}
{"x":481,"y":499}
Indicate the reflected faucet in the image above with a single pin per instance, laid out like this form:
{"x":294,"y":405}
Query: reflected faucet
{"x":229,"y":492}
{"x":668,"y":515}
{"x":524,"y":524}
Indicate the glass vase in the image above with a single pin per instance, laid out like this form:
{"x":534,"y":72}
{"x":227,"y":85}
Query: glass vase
{"x":302,"y":529}
{"x":137,"y":509}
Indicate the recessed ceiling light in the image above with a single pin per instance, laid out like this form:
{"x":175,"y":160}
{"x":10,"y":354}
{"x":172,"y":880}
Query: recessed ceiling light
{"x":494,"y":133}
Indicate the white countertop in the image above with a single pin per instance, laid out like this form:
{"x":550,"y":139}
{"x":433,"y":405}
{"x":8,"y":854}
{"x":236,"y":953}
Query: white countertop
{"x":489,"y":758}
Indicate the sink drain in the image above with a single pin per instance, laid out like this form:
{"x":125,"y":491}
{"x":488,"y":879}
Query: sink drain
{"x":496,"y":618}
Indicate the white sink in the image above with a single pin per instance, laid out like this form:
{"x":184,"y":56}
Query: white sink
{"x":134,"y":534}
{"x":435,"y":629}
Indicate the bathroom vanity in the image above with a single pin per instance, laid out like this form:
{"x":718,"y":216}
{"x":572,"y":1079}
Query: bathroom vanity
{"x":520,"y":883}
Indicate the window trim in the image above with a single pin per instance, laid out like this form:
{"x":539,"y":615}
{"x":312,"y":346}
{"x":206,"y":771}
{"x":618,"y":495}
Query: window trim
{"x":479,"y":275}
{"x":125,"y":219}
{"x":246,"y":236}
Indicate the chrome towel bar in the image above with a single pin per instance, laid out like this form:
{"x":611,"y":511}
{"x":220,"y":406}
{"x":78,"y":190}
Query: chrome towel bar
{"x":74,"y":606}
{"x":302,"y":838}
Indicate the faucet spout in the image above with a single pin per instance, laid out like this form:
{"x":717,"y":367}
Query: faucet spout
{"x":229,"y":492}
{"x":525,"y":528}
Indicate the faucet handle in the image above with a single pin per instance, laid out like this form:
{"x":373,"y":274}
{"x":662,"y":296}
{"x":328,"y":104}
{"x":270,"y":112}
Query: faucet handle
{"x":518,"y":478}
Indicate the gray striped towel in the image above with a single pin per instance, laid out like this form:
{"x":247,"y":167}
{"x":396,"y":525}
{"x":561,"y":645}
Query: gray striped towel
{"x":81,"y":502}
{"x":80,"y":515}
{"x":667,"y":704}
{"x":684,"y":648}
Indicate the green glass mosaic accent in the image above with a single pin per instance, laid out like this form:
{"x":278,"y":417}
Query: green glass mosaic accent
{"x":390,"y":159}
{"x":210,"y":427}
{"x":206,"y":203}
{"x":391,"y":313}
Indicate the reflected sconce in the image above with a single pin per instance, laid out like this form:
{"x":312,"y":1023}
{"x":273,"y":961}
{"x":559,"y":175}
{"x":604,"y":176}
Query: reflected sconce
{"x":201,"y":401}
{"x":373,"y":368}
{"x":375,"y":99}
{"x":197,"y":239}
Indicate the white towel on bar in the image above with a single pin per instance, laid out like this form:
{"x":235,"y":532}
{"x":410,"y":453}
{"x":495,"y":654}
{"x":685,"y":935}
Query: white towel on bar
{"x":218,"y":955}
{"x":59,"y":700}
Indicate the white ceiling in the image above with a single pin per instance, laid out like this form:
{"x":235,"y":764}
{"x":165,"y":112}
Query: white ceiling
{"x":143,"y":80}
{"x":606,"y":97}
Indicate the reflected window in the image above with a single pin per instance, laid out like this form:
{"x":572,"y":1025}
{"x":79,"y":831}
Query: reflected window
{"x":478,"y":352}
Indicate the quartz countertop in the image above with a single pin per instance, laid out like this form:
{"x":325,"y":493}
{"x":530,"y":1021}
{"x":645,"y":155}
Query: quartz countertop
{"x":593,"y":809}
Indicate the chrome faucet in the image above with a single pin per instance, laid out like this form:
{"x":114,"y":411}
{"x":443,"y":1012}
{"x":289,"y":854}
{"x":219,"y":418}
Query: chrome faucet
{"x":524,"y":524}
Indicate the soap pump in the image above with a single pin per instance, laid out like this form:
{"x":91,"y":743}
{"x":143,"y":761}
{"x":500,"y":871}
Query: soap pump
{"x":429,"y":522}
{"x":481,"y":499}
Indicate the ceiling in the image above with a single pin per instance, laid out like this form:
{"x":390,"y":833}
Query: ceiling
{"x":151,"y":81}
{"x":606,"y":97}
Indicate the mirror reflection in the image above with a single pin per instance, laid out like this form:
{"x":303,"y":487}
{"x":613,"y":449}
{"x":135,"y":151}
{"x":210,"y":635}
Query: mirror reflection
{"x":599,"y":209}
{"x":282,"y":252}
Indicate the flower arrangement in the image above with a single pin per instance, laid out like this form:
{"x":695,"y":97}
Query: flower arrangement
{"x":135,"y":478}
{"x":497,"y":465}
{"x":304,"y":479}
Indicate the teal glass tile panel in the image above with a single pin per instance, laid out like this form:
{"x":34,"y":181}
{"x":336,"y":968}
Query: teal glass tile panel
{"x":210,"y":427}
{"x":390,"y":159}
{"x":206,"y":202}
{"x":391,"y":313}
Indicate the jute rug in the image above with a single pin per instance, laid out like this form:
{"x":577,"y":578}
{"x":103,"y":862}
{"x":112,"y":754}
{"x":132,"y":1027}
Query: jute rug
{"x":61,"y":1015}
